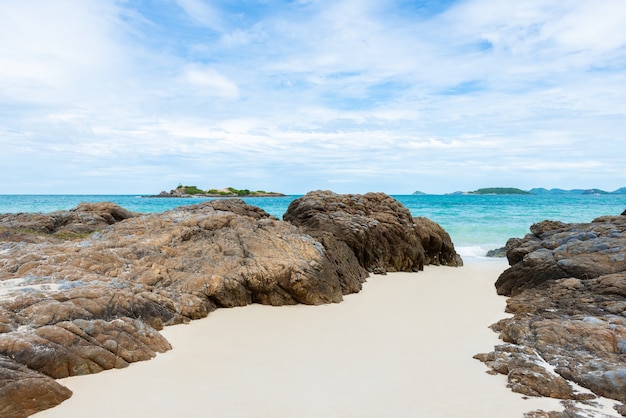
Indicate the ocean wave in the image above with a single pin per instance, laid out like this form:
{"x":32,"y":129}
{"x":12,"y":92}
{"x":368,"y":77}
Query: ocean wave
{"x":472,"y":251}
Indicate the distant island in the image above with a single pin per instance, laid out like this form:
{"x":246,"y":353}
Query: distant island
{"x":499,"y":190}
{"x":194,"y":191}
{"x":540,"y":191}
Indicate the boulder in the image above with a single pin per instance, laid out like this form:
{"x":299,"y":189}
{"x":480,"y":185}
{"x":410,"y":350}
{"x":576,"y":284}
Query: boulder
{"x":380,"y":231}
{"x":567,"y":288}
{"x":24,"y":392}
{"x":555,"y":251}
{"x":82,"y":220}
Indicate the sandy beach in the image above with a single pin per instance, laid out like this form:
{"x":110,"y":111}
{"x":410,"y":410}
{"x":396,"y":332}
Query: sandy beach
{"x":402,"y":347}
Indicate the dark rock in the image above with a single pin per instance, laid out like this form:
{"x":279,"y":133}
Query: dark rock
{"x":437,"y":244}
{"x":379,"y":230}
{"x":555,"y":251}
{"x":567,"y":284}
{"x":497,"y":253}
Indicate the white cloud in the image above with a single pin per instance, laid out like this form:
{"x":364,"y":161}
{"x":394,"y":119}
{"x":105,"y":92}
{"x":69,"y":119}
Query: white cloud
{"x":201,"y":12}
{"x":313,"y":94}
{"x":209,"y":82}
{"x":53,"y":48}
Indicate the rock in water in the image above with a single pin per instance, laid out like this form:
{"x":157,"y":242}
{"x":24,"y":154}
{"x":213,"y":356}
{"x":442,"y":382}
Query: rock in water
{"x":567,"y":284}
{"x":379,"y":230}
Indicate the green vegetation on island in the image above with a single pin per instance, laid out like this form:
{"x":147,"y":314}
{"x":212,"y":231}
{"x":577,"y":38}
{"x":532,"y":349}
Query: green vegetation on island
{"x":194,"y":191}
{"x":499,"y":190}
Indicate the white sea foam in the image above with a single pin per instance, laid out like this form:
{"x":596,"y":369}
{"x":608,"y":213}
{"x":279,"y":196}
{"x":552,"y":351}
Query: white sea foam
{"x":471,"y":251}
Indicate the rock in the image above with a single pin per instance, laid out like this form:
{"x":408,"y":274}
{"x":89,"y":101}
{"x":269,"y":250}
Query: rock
{"x":82,"y":307}
{"x":83,"y":219}
{"x":83,"y":347}
{"x":497,"y":253}
{"x":379,"y":230}
{"x":437,"y":244}
{"x":572,"y":410}
{"x":78,"y":306}
{"x":555,"y":250}
{"x":527,"y":372}
{"x":24,"y":392}
{"x":567,"y":284}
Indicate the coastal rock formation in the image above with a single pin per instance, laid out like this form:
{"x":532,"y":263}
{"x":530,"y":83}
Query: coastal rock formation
{"x":555,"y":250}
{"x":24,"y":392}
{"x":567,"y":284}
{"x":379,"y":230}
{"x":80,"y":306}
{"x":88,"y":289}
{"x":83,"y":219}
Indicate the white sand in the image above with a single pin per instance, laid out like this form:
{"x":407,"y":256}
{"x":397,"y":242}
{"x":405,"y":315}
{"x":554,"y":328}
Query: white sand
{"x":402,"y":347}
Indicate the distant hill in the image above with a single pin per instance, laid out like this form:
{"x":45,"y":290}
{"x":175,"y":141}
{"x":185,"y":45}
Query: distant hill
{"x":542,"y":191}
{"x":418,"y":192}
{"x":538,"y":191}
{"x":499,"y":190}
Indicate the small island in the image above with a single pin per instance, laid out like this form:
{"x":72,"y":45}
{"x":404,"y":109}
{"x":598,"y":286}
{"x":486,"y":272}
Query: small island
{"x":499,"y":190}
{"x":194,"y":191}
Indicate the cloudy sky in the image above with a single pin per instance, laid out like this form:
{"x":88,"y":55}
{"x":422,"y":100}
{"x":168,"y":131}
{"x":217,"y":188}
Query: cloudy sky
{"x":135,"y":96}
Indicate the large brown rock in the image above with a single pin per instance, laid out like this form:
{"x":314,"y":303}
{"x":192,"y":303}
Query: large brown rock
{"x":24,"y":392}
{"x":83,"y":219}
{"x":567,"y":284}
{"x":88,"y":289}
{"x":70,"y":307}
{"x":380,"y":231}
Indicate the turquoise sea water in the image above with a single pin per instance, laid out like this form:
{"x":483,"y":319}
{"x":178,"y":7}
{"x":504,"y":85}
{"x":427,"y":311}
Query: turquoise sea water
{"x":476,"y":223}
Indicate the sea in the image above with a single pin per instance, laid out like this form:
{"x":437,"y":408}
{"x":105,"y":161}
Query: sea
{"x":476,"y":223}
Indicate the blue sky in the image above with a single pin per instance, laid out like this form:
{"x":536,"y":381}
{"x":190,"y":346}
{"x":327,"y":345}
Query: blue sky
{"x":135,"y":96}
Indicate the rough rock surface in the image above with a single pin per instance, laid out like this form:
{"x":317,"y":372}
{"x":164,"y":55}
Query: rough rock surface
{"x":83,"y":219}
{"x":94,"y":298}
{"x":24,"y":392}
{"x":567,"y":284}
{"x":379,"y":230}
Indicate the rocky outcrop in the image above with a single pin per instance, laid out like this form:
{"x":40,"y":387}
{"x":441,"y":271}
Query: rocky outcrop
{"x":379,"y":230}
{"x":24,"y":392}
{"x":555,"y":250}
{"x":95,"y":299}
{"x":567,"y":284}
{"x":82,"y":220}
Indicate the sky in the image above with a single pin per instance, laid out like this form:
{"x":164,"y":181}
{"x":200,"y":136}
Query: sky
{"x":137,"y":96}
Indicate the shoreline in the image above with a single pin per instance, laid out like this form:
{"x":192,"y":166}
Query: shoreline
{"x":402,"y":347}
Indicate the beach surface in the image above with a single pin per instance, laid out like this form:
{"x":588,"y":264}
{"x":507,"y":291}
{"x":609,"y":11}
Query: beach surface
{"x":402,"y":347}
